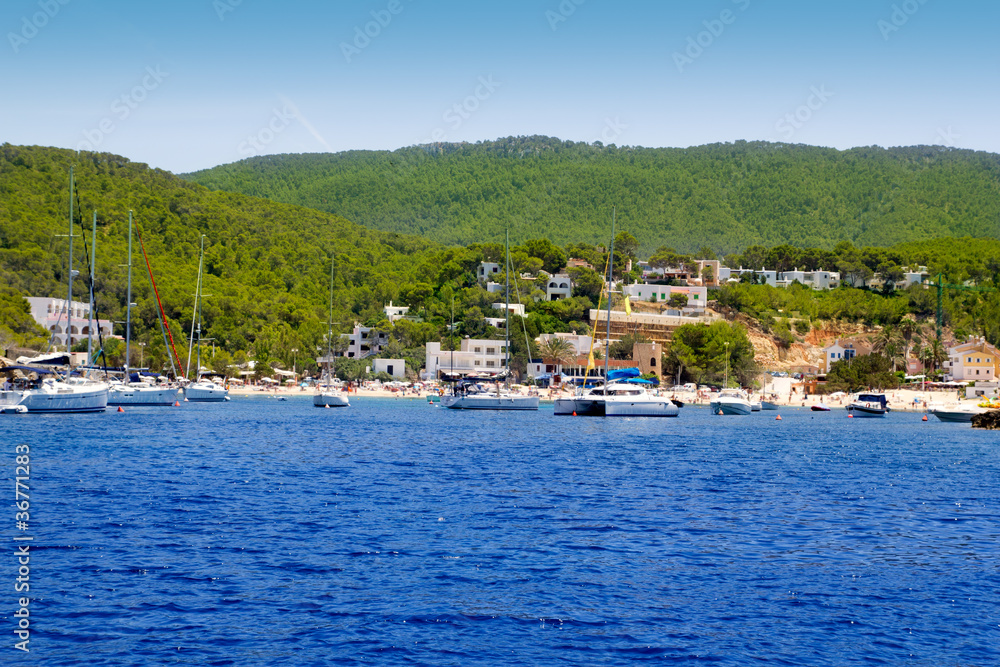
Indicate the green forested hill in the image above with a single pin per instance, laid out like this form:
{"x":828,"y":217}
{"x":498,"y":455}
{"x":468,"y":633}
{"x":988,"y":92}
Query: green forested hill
{"x":267,"y":265}
{"x":723,"y":196}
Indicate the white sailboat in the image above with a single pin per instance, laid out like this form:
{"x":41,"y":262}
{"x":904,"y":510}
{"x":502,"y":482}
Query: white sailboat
{"x":328,"y":395}
{"x":128,"y":392}
{"x":51,"y":394}
{"x":730,"y":401}
{"x":201,"y":391}
{"x":472,"y":395}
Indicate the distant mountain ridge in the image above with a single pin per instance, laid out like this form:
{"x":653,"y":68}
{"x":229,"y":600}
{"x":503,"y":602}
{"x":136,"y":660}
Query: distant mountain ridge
{"x":723,"y":196}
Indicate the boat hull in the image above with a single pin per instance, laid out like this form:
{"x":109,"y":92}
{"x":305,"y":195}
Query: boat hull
{"x":205,"y":394}
{"x":865,"y":411}
{"x":623,"y":407}
{"x":95,"y":400}
{"x":144,"y":396}
{"x":955,"y":416}
{"x":489,"y":402}
{"x":331,"y":401}
{"x":731,"y":407}
{"x":768,"y":405}
{"x":581,"y":407}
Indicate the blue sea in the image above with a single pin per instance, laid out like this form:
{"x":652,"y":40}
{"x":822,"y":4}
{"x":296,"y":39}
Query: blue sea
{"x":265,"y":532}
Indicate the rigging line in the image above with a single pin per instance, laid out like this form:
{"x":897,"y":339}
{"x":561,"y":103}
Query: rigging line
{"x":164,"y":325}
{"x":524,"y":326}
{"x":97,"y":312}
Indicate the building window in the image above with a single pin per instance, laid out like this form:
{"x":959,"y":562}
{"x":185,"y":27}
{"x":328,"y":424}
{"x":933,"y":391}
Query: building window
{"x":491,"y":350}
{"x":491,"y":364}
{"x":978,"y":360}
{"x":970,"y":360}
{"x":477,"y":349}
{"x":475,"y":363}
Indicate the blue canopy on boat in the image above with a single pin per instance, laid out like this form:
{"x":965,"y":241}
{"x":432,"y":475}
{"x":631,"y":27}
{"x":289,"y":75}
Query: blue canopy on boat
{"x":638,"y":381}
{"x":622,"y":373}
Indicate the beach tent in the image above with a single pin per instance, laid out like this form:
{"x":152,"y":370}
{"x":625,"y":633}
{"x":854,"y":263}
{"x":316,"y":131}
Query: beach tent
{"x":269,"y":381}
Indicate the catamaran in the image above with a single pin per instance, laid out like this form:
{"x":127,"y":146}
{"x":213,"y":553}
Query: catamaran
{"x":622,"y":394}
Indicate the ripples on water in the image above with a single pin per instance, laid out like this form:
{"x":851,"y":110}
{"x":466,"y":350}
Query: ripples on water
{"x":267,"y":532}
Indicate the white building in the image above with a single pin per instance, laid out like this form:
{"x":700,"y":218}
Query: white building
{"x":973,"y":361}
{"x":842,"y":349}
{"x":814,"y":279}
{"x":52,"y":314}
{"x":559,"y":286}
{"x":394,"y":313}
{"x":363,"y":343}
{"x":394,"y":367}
{"x":473,"y":356}
{"x":486,"y":271}
{"x":514,"y":308}
{"x":697,"y":297}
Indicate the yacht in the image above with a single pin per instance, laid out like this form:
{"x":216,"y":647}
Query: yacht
{"x":956,"y":413}
{"x":140,"y":393}
{"x":618,"y":399}
{"x":731,"y":402}
{"x":74,"y":394}
{"x":328,"y":395}
{"x":205,"y":391}
{"x":470,"y":394}
{"x":869,"y":405}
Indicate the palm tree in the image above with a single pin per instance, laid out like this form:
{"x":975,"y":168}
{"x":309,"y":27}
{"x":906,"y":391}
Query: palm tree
{"x":888,"y":342}
{"x":935,"y":354}
{"x":556,"y":351}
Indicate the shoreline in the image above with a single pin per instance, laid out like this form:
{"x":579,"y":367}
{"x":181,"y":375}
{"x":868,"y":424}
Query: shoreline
{"x":900,"y":400}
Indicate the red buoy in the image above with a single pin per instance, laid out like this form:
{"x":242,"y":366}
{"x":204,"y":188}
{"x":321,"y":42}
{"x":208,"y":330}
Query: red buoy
{"x":778,"y":418}
{"x":924,"y":419}
{"x":574,"y":413}
{"x":120,"y":409}
{"x":177,"y":404}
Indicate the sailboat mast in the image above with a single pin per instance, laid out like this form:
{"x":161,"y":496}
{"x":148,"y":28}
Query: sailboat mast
{"x":90,"y":313}
{"x":128,"y":308}
{"x":194,"y":314}
{"x":329,"y":328}
{"x":69,"y":298}
{"x":611,"y":274}
{"x":507,"y":270}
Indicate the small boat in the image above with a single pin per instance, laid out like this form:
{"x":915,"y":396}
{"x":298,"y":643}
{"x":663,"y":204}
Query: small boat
{"x":206,"y":391}
{"x":731,"y":402}
{"x":956,"y":413}
{"x":820,"y":407}
{"x":329,"y":393}
{"x":768,"y":405}
{"x":756,"y":406}
{"x":201,"y":391}
{"x":869,"y":405}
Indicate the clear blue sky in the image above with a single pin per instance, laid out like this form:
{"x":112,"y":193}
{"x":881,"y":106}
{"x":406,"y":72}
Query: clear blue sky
{"x":191,"y":84}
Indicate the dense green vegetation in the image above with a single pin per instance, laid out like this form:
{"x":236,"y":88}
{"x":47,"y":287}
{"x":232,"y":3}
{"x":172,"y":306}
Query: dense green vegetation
{"x":267,"y":270}
{"x":726,"y":197}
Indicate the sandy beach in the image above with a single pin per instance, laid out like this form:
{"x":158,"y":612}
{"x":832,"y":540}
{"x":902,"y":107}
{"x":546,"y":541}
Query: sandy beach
{"x":785,"y":395}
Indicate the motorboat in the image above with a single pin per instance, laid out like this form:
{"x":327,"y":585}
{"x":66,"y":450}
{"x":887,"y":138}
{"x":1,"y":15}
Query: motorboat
{"x":956,"y":413}
{"x":869,"y":405}
{"x":768,"y":405}
{"x":820,"y":407}
{"x":731,"y":402}
{"x":756,"y":406}
{"x":205,"y":391}
{"x":140,"y":393}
